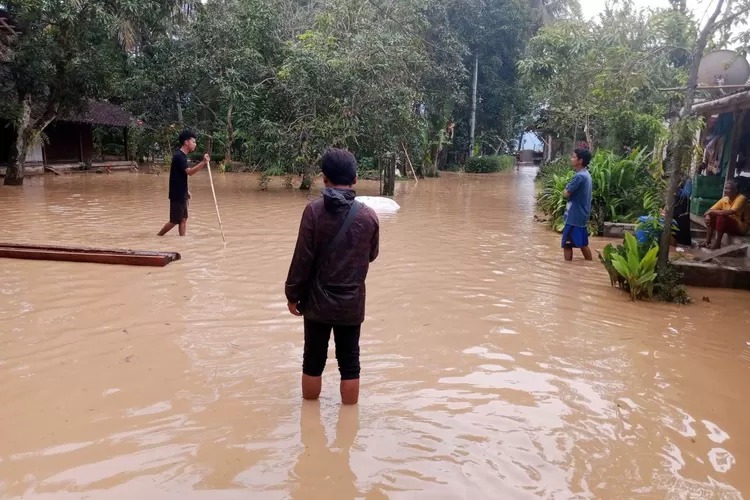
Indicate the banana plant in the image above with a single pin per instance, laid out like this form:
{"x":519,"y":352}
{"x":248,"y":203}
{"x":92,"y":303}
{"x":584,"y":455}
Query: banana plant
{"x":552,"y":202}
{"x":638,"y":272}
{"x":605,"y":257}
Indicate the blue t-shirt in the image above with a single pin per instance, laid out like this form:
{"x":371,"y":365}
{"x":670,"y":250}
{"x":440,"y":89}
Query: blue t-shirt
{"x":578,"y":210}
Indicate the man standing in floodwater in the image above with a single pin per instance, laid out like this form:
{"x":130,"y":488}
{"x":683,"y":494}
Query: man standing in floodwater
{"x":577,"y":212}
{"x":338,"y":239}
{"x":179,"y":195}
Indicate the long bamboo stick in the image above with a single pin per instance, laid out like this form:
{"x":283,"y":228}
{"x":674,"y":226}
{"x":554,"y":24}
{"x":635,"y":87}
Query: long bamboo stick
{"x":410,"y":165}
{"x":216,"y":204}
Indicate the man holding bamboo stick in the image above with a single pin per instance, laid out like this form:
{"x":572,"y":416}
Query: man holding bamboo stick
{"x":179,"y":194}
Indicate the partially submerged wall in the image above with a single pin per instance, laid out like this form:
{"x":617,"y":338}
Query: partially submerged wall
{"x":708,"y":275}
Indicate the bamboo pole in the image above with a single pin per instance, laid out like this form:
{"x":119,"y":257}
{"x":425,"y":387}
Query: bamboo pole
{"x":410,"y":164}
{"x":216,"y":204}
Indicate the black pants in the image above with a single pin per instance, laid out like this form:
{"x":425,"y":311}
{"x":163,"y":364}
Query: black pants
{"x":317,"y":336}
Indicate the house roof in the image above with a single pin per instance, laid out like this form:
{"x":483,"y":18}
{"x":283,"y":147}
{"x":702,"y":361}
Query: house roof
{"x":100,"y":113}
{"x":733,"y":102}
{"x":7,"y":34}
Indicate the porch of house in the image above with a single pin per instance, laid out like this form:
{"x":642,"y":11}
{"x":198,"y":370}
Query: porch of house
{"x":726,"y":144}
{"x":68,"y":143}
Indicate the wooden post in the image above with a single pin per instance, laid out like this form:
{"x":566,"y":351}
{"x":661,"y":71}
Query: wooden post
{"x":80,"y":144}
{"x":380,"y":174}
{"x":125,"y":137}
{"x":389,"y":175}
{"x":739,"y":119}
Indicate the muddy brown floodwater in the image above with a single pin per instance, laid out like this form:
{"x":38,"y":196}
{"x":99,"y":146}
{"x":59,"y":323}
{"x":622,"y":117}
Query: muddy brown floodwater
{"x":491,"y":369}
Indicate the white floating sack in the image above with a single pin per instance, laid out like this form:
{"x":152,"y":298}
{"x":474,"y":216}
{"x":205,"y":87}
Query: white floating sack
{"x":381,"y":204}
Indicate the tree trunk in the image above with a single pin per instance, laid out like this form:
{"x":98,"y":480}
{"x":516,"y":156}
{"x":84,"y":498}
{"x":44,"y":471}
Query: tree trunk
{"x":589,"y":135}
{"x":17,"y":164}
{"x":681,"y":141}
{"x":434,"y":153}
{"x":230,"y":135}
{"x":575,"y":136}
{"x":473,"y":128}
{"x":179,"y":108}
{"x":308,"y":168}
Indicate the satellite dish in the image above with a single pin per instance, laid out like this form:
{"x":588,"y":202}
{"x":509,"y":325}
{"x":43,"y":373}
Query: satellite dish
{"x":723,"y":67}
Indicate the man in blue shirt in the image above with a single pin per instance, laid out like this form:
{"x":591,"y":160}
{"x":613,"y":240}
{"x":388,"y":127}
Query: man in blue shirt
{"x":578,"y":210}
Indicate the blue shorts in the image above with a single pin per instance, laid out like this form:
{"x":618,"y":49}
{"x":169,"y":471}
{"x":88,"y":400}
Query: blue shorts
{"x":575,"y":237}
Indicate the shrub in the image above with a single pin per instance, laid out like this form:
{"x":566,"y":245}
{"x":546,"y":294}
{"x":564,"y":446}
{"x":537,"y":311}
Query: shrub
{"x":632,"y":267}
{"x":559,"y":166}
{"x":488,"y":164}
{"x":274,"y":171}
{"x":551,"y":200}
{"x":638,"y":272}
{"x":366,"y":164}
{"x":668,"y":288}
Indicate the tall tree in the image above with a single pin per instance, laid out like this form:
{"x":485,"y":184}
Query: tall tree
{"x":66,"y":53}
{"x":602,"y":78}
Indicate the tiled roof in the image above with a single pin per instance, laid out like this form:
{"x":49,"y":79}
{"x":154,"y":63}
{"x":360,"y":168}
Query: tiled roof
{"x":101,"y":113}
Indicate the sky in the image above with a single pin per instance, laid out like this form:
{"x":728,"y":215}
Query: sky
{"x":591,"y":8}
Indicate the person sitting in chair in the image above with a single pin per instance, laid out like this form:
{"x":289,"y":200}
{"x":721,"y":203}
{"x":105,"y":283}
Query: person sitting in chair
{"x":727,"y":216}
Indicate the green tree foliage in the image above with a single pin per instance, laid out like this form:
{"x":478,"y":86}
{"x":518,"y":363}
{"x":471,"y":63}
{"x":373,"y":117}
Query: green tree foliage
{"x":272,"y":83}
{"x":489,"y":164}
{"x":601,"y":78}
{"x":64,"y":54}
{"x":275,"y":82}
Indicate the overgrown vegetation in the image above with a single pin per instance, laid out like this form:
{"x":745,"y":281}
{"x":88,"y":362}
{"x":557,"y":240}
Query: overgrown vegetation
{"x":632,"y":267}
{"x":599,"y":79}
{"x":275,"y":82}
{"x":489,"y":164}
{"x":624,"y":187}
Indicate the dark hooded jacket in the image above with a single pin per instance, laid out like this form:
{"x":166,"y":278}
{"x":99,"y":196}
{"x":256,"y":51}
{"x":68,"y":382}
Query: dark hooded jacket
{"x":331,"y":288}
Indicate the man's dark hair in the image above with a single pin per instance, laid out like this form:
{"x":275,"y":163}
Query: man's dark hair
{"x":186,"y":135}
{"x":339,"y":166}
{"x":584,"y":155}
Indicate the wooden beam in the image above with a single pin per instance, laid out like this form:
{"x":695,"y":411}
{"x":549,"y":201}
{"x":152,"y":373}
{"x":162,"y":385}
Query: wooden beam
{"x":125,"y":137}
{"x":80,"y":144}
{"x":722,"y":252}
{"x":93,"y":255}
{"x":10,"y":29}
{"x":740,"y":100}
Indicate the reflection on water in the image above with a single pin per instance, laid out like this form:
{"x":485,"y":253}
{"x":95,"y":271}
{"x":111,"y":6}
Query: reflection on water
{"x":491,"y":369}
{"x":322,"y":471}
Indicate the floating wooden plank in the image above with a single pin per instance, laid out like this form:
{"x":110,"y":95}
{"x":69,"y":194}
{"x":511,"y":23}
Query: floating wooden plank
{"x":52,"y":169}
{"x":724,"y":251}
{"x":82,"y":254}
